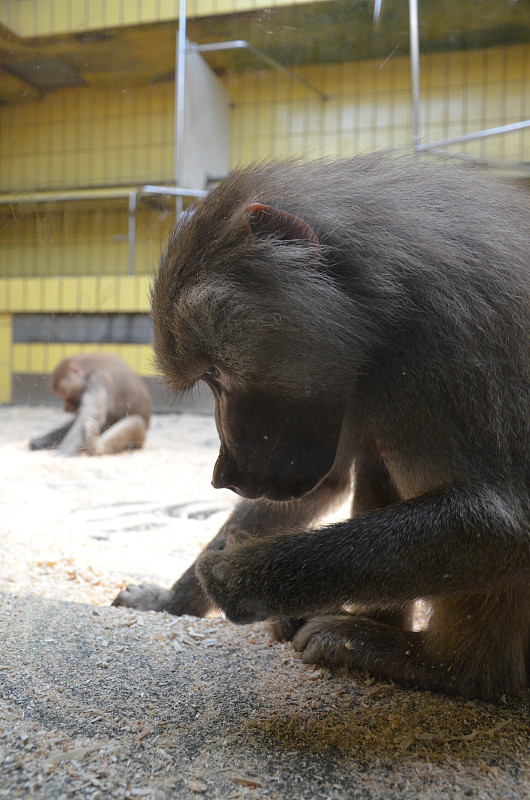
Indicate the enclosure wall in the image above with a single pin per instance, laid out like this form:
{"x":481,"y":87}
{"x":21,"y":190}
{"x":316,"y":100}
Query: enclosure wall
{"x":73,"y":156}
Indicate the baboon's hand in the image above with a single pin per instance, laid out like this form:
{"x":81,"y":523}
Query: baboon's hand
{"x":236,"y":580}
{"x":145,"y":597}
{"x":235,"y":537}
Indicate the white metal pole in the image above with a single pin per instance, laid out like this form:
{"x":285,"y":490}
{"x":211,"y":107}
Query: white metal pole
{"x":180,"y":103}
{"x":414,"y":71}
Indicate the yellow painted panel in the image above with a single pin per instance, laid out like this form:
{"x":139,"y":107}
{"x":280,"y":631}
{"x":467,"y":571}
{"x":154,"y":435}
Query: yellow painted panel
{"x":5,"y":358}
{"x":19,"y":357}
{"x":130,"y":131}
{"x":50,"y":295}
{"x":108,"y":294}
{"x":88,"y":294}
{"x":35,"y":357}
{"x":34,"y":294}
{"x":143,"y":283}
{"x":16,"y":294}
{"x":51,"y":17}
{"x":126,"y":299}
{"x":370,"y":108}
{"x":138,"y":357}
{"x":71,"y":349}
{"x":133,"y":294}
{"x":146,"y":361}
{"x":84,"y":294}
{"x":55,"y":353}
{"x":46,"y":143}
{"x":128,"y":353}
{"x":69,"y":294}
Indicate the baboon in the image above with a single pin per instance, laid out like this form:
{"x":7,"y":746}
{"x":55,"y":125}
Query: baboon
{"x":367,"y":316}
{"x":110,"y":402}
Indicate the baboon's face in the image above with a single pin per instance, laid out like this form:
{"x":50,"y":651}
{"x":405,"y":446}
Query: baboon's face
{"x":273,"y":447}
{"x":240,"y":302}
{"x":70,"y":388}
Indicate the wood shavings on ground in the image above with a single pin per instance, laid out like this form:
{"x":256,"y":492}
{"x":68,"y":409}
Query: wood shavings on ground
{"x":111,"y":704}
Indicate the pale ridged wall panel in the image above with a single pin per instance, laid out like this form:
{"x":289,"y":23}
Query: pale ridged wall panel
{"x":85,"y":295}
{"x":369,"y":106}
{"x":82,"y":137}
{"x":6,"y":358}
{"x":44,"y":17}
{"x":114,"y":131}
{"x":64,"y":295}
{"x":61,"y":239}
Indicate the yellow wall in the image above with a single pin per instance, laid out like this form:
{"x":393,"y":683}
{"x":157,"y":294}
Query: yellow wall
{"x":61,"y":239}
{"x":48,"y":17}
{"x":41,"y":358}
{"x":79,"y":137}
{"x":6,"y":358}
{"x":74,"y":295}
{"x":370,"y":105}
{"x":88,"y":137}
{"x":115,"y":136}
{"x":67,"y":295}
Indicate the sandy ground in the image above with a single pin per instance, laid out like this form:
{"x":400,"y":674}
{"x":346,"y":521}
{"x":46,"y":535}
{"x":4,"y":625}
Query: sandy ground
{"x":98,"y":702}
{"x":81,"y":528}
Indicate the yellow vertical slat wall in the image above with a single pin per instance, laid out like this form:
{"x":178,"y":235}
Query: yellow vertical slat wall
{"x":71,"y":138}
{"x":6,"y":356}
{"x":369,"y":106}
{"x":63,"y":258}
{"x":67,"y":295}
{"x":86,"y":136}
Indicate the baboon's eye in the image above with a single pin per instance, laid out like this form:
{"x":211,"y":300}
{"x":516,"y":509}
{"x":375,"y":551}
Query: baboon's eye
{"x":212,"y":372}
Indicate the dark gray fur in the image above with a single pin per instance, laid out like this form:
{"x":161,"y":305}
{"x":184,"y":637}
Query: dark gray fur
{"x":404,"y":337}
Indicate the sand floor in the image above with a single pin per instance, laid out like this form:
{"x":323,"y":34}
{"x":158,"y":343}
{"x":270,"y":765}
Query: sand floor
{"x":98,"y":702}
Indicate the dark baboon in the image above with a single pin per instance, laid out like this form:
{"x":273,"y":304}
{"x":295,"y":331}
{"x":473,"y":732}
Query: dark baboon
{"x":367,"y":316}
{"x":110,"y":402}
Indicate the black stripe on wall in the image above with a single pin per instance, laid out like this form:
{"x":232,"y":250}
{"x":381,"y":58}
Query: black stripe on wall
{"x":34,"y":389}
{"x":83,"y":328}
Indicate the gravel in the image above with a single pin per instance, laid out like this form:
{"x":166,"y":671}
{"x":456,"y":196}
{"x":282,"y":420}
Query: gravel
{"x":98,"y":702}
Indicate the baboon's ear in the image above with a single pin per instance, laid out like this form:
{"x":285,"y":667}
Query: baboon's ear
{"x":262,"y":221}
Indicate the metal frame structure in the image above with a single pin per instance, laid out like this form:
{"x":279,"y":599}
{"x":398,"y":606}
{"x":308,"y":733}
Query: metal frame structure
{"x":182,"y":48}
{"x":241,"y":44}
{"x":130,"y":193}
{"x":434,"y":147}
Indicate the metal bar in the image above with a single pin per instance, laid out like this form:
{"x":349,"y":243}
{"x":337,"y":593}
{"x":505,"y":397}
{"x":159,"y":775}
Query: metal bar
{"x":241,"y":44}
{"x":468,"y":137}
{"x":414,"y":71}
{"x":173,"y":190}
{"x":65,"y":195}
{"x":131,"y":233}
{"x":515,"y":166}
{"x":103,"y":193}
{"x":180,"y":103}
{"x":377,"y":13}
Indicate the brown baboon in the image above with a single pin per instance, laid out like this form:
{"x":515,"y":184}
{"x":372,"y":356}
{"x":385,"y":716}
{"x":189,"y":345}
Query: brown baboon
{"x":371,"y":316}
{"x":110,"y":402}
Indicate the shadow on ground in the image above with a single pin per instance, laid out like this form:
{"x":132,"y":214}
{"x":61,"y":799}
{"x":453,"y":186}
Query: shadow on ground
{"x":110,"y":703}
